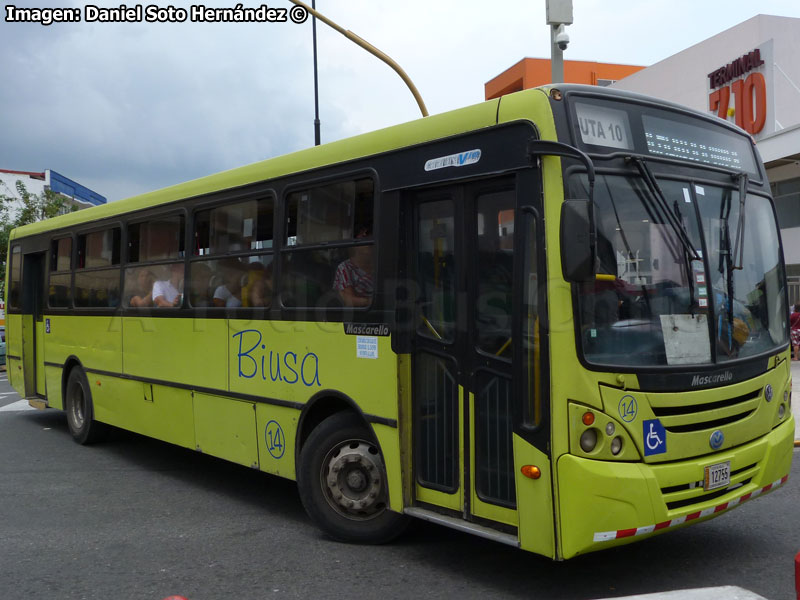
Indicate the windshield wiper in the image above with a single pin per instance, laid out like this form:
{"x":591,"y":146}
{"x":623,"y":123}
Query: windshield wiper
{"x":738,"y":244}
{"x":731,"y":258}
{"x":663,"y":208}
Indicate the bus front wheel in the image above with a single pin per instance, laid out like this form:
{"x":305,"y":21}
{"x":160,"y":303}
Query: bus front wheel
{"x":80,"y":410}
{"x":342,"y":483}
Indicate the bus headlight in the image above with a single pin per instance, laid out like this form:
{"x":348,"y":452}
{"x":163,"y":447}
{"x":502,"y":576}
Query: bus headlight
{"x":616,"y":445}
{"x":589,"y":440}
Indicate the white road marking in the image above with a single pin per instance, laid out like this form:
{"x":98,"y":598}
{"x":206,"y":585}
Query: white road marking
{"x":18,"y":406}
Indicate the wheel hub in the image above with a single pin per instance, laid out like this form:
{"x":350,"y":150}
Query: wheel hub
{"x":352,"y":474}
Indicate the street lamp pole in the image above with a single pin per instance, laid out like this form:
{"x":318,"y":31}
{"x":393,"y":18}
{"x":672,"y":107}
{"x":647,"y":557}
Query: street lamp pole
{"x":316,"y":84}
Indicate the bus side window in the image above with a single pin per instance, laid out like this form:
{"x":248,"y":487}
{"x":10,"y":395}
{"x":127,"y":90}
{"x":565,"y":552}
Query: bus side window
{"x":242,"y":233}
{"x":14,"y":295}
{"x":342,"y":273}
{"x":160,"y":284}
{"x":97,"y":271}
{"x":60,"y":285}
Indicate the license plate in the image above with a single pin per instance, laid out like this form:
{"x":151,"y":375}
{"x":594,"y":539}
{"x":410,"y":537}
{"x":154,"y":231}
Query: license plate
{"x":717,"y":476}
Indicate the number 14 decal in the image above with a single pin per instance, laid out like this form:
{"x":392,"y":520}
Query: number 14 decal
{"x":275,"y":440}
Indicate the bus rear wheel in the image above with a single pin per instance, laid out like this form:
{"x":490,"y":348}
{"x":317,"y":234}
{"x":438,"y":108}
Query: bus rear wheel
{"x":80,"y":410}
{"x":342,"y":483}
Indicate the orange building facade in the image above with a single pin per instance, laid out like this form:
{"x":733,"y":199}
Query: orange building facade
{"x":533,"y":72}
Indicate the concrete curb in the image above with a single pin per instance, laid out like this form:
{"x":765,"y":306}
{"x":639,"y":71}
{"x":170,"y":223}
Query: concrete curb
{"x":727,"y":592}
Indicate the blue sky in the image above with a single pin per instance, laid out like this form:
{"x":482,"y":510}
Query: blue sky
{"x":125,"y":108}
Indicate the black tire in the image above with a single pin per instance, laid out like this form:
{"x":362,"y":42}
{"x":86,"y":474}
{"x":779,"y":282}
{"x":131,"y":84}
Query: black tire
{"x":342,"y":483}
{"x":80,"y":410}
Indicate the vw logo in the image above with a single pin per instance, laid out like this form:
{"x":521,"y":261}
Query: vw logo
{"x":716,"y":440}
{"x":768,"y":392}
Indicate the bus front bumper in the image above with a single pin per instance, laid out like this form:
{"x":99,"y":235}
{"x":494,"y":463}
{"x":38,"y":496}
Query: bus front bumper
{"x":603,"y":503}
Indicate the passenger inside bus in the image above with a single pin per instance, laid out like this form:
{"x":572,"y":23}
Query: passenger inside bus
{"x":200,"y":295}
{"x":169,"y":292}
{"x":143,"y":294}
{"x":257,"y":285}
{"x":229,"y":294}
{"x":353,"y":279}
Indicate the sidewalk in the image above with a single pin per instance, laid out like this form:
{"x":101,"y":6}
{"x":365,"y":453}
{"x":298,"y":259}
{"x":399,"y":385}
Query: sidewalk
{"x":796,"y":398}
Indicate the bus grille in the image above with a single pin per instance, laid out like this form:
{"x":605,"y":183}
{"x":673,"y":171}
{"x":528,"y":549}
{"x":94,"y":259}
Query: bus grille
{"x":711,"y":415}
{"x":691,"y":493}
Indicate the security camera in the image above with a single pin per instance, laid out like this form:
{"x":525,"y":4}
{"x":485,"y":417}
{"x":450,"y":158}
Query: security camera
{"x":562,"y":39}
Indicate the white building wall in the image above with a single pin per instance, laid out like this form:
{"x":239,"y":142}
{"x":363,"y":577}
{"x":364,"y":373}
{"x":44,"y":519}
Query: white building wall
{"x":8,"y":187}
{"x":8,"y":184}
{"x":683,"y":78}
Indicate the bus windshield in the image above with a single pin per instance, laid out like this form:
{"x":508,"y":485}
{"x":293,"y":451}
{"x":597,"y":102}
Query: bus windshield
{"x":678,"y":296}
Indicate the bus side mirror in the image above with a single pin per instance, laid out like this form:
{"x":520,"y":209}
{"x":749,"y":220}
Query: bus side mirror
{"x":577,"y":241}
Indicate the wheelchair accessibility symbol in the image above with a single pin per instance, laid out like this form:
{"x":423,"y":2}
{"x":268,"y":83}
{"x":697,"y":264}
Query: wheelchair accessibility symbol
{"x":655,"y":437}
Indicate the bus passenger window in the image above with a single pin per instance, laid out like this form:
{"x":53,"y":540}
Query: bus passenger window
{"x":243,"y":233}
{"x":232,"y":282}
{"x":60,"y":286}
{"x":97,"y":273}
{"x":234,"y":228}
{"x":160,"y":239}
{"x":14,"y":295}
{"x":340,"y":274}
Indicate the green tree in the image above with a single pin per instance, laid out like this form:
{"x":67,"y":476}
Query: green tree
{"x":23,"y":209}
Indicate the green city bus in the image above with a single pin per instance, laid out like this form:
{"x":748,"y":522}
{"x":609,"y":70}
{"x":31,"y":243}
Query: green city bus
{"x":557,"y":320}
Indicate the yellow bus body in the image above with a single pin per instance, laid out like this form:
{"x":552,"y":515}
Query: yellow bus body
{"x":193,"y":382}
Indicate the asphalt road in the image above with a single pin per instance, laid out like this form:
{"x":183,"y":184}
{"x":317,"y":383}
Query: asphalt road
{"x":134,"y":518}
